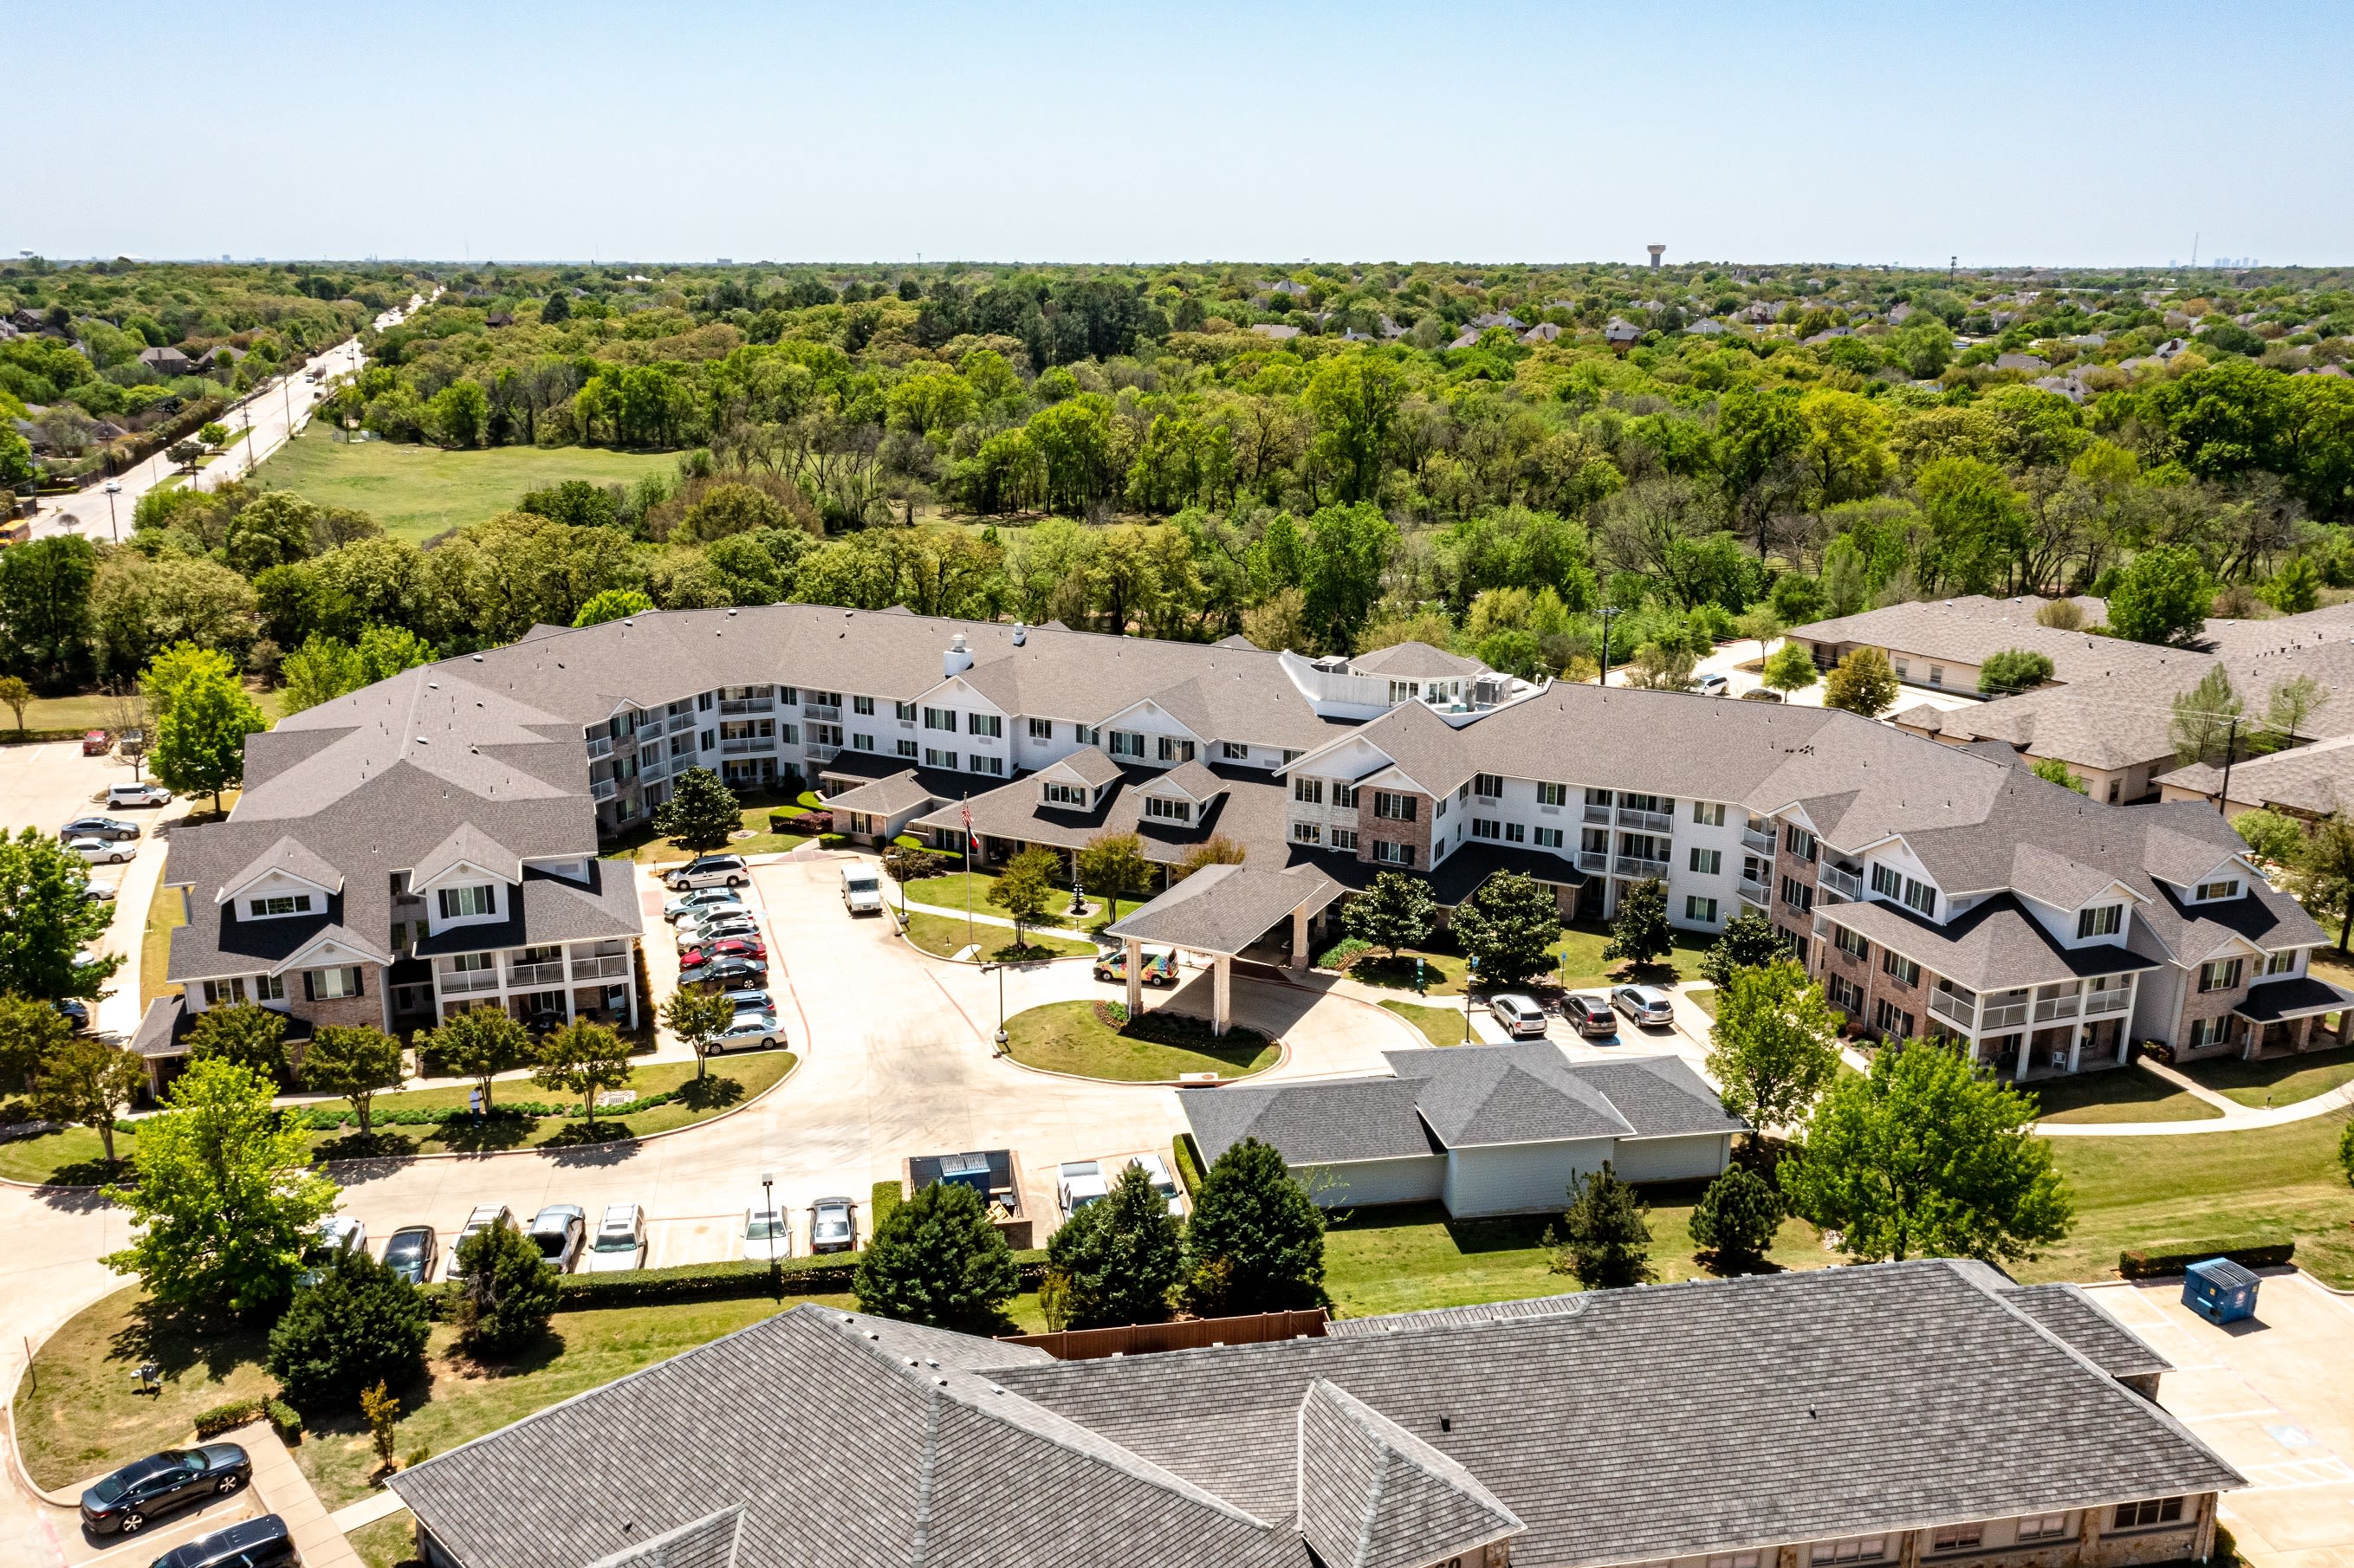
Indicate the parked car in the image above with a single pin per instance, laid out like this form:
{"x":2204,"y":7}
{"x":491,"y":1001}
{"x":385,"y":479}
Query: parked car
{"x":711,"y":925}
{"x":410,"y":1254}
{"x":96,"y":827}
{"x":752,"y":998}
{"x":147,"y":794}
{"x":102,"y":851}
{"x":336,"y":1233}
{"x":98,"y":892}
{"x":711,"y":871}
{"x":76,"y":1012}
{"x":861,"y":889}
{"x":620,"y":1243}
{"x":561,"y":1230}
{"x":1715,"y":684}
{"x":483,"y":1218}
{"x":1160,"y":965}
{"x":702,"y":898}
{"x":751,"y":1031}
{"x":1156,"y":1170}
{"x":1080,"y":1182}
{"x":126,"y":1500}
{"x":768,"y":1232}
{"x":264,"y":1543}
{"x":94,"y":743}
{"x":1645,"y":1005}
{"x":1590,"y":1015}
{"x":1521,"y":1016}
{"x":723,"y":974}
{"x":724,"y":947}
{"x":833,"y":1225}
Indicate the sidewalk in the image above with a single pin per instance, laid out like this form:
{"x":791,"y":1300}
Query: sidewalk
{"x":2236,"y":1117}
{"x":280,"y":1485}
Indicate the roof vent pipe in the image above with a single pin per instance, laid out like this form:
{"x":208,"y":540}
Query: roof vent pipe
{"x":1020,"y":634}
{"x":958,"y":659}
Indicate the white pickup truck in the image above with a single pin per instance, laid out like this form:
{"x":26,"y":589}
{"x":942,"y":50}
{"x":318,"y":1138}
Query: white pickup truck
{"x":862,"y":890}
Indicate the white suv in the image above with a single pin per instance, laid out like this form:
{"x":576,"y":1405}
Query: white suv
{"x":119,"y":795}
{"x":620,"y":1243}
{"x":711,"y":871}
{"x":1519,"y":1015}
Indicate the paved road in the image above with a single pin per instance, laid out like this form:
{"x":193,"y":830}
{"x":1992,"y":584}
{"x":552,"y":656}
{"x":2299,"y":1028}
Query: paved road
{"x":271,"y":411}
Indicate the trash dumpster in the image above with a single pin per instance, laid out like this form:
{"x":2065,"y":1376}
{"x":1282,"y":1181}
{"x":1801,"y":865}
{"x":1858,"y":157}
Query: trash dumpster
{"x":2219,"y":1290}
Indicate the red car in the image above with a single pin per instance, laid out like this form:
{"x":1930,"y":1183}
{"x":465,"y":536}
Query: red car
{"x":726,"y":947}
{"x":95,"y":744}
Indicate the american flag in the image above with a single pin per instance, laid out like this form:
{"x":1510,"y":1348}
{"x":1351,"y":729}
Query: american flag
{"x":971,"y":840}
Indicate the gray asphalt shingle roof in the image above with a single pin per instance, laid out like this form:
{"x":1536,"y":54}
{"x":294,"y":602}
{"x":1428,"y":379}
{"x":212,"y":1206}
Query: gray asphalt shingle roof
{"x":1372,"y":1495}
{"x":1328,"y":1123}
{"x":1226,"y":908}
{"x":1527,"y":1093}
{"x":2069,"y":1314}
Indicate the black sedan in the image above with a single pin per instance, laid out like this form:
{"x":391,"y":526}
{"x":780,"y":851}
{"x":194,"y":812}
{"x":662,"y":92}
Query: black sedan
{"x":263,"y":1542}
{"x":410,"y":1252}
{"x":726,"y":974}
{"x":124,"y":1502}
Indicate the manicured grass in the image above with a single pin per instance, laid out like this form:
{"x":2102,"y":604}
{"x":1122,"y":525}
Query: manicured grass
{"x":2118,"y":1094}
{"x":95,"y":710}
{"x":2277,"y":1080}
{"x":74,"y":1158}
{"x":2229,"y":1187}
{"x":949,"y":893}
{"x":646,"y":849}
{"x":1413,"y":1256}
{"x":165,"y":914}
{"x":1439,"y":1025}
{"x":1067,"y":1037}
{"x":417,"y":492}
{"x":1578,"y":963}
{"x":390,"y":1541}
{"x":1703,"y":998}
{"x":943,"y":935}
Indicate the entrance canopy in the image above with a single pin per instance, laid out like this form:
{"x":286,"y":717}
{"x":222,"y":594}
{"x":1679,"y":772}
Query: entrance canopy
{"x":1221,"y":910}
{"x":2304,"y":996}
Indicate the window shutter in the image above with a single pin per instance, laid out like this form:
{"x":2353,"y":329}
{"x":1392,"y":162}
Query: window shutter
{"x":310,"y":985}
{"x":359,"y":977}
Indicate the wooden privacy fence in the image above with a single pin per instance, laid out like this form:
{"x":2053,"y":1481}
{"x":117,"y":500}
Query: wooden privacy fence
{"x":1189,"y":1334}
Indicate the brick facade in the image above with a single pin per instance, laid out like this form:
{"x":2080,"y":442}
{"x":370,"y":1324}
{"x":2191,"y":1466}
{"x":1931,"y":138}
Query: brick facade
{"x":366,"y":1008}
{"x":1372,"y":828}
{"x":2198,"y":1005}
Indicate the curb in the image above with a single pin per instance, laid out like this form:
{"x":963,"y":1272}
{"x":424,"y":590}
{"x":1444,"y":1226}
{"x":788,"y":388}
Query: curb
{"x":799,"y":1057}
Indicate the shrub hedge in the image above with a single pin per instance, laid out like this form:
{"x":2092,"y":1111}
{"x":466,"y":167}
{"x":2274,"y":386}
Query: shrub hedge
{"x":1189,"y":1163}
{"x":319,"y":1119}
{"x":236,"y":1413}
{"x":736,"y":1280}
{"x":2139,"y":1265}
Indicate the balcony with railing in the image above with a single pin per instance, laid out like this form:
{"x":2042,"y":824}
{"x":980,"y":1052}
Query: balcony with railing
{"x":737,"y":744}
{"x":464,"y":983}
{"x":1956,"y":1007}
{"x":829,"y":711}
{"x":2114,"y":1000}
{"x":535,"y":974}
{"x":601,"y":746}
{"x":1648,"y":821}
{"x":1758,"y":840}
{"x":600,"y":966}
{"x":602,"y":789}
{"x":1636,"y":866}
{"x":681,"y":721}
{"x":2005,"y":1010}
{"x":1846,"y":883}
{"x":1598,"y":861}
{"x":2054,"y":1008}
{"x":816,"y":753}
{"x":1597,"y":814}
{"x":747,"y":704}
{"x":1756,"y":893}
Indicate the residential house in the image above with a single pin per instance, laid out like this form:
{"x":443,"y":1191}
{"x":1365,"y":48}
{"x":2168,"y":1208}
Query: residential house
{"x":166,"y":361}
{"x":1881,"y":1416}
{"x":1941,"y":644}
{"x":1621,"y":335}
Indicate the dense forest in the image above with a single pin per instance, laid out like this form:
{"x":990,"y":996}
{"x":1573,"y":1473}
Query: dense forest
{"x":1321,"y":457}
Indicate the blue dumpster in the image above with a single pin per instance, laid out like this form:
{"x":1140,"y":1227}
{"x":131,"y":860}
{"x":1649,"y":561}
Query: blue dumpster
{"x":2219,"y":1290}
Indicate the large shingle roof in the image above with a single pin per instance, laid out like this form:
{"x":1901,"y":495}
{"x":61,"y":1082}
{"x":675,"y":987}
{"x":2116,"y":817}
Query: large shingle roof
{"x":1530,"y":1093}
{"x":1373,"y":1495}
{"x":1973,"y":629}
{"x":1226,"y":908}
{"x":1311,"y":1123}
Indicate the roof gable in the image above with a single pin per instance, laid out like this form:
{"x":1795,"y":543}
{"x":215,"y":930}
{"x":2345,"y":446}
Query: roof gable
{"x":1372,"y":1495}
{"x":290,"y":858}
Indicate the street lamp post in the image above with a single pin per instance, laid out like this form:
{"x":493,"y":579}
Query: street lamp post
{"x":1471,"y":973}
{"x":1000,"y":968}
{"x":768,"y":1202}
{"x":114,"y":489}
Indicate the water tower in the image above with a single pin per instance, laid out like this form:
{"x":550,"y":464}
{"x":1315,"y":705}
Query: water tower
{"x":1657,"y":251}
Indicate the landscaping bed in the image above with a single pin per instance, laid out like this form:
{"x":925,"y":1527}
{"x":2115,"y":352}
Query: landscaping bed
{"x":1578,"y":963}
{"x":1094,"y":1040}
{"x":944,"y":936}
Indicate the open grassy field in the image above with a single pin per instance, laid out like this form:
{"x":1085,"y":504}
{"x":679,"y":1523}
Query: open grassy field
{"x":1067,"y":1037}
{"x":417,"y":492}
{"x":95,"y":710}
{"x":2276,"y":1080}
{"x":944,"y":936}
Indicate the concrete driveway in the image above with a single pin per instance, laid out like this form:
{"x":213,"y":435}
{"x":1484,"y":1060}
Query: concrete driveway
{"x":2275,"y":1395}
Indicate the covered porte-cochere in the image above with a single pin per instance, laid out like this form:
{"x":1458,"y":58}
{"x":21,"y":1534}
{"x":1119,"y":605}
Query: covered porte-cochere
{"x":1218,"y":911}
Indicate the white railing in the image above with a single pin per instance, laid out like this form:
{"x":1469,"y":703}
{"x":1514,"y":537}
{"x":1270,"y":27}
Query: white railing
{"x":814,"y":753}
{"x":1597,"y":814}
{"x":682,"y":721}
{"x":1757,"y":893}
{"x":2048,"y":1008}
{"x":1846,"y":883}
{"x":602,"y":789}
{"x":1635,"y":865}
{"x":612,"y":967}
{"x":1649,"y":821}
{"x":534,"y":974}
{"x":2107,"y":1002}
{"x":460,"y":982}
{"x":821,"y":711}
{"x":747,"y":704}
{"x":2009,"y":1015}
{"x":600,"y":746}
{"x":738,"y":744}
{"x":1763,"y":843}
{"x":1593,"y":859}
{"x":1945,"y":1004}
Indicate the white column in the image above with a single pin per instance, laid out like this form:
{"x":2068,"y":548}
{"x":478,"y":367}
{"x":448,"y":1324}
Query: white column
{"x":1221,"y":980}
{"x":1299,"y":938}
{"x":1134,"y":950}
{"x":2026,"y":1043}
{"x":2076,"y":1043}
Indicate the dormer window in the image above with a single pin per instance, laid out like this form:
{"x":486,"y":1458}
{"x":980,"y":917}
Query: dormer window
{"x":1127,"y":743}
{"x":1175,"y":750}
{"x":1922,"y":896}
{"x":1168,"y":811}
{"x":1064,"y":795}
{"x":2103,"y":920}
{"x":465,"y":903}
{"x":281,"y":903}
{"x":2209,"y":891}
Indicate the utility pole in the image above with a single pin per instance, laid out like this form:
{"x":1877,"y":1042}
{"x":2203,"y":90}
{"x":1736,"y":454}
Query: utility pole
{"x":2231,"y":745}
{"x":1603,"y":679}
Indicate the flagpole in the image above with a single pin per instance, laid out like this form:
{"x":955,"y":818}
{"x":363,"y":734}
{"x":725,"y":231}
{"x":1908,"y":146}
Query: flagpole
{"x":965,"y":808}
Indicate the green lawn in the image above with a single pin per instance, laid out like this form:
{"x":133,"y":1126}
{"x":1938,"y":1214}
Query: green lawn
{"x":2118,"y":1094}
{"x":644,"y":846}
{"x":165,"y":914}
{"x":1407,"y":1258}
{"x":944,"y":936}
{"x":2232,"y":1187}
{"x":1578,"y":962}
{"x":2277,"y":1080}
{"x":949,"y":893}
{"x":74,"y":1157}
{"x":1067,"y":1037}
{"x":1439,"y":1025}
{"x":95,"y":710}
{"x":417,"y":492}
{"x":390,"y":1541}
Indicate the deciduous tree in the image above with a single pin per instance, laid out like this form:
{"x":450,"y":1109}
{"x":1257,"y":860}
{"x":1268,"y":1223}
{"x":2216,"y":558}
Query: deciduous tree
{"x":1121,"y":1257}
{"x":937,"y":1259}
{"x":2162,"y":596}
{"x":1640,"y":932}
{"x":1509,"y":925}
{"x":1397,"y":911}
{"x":17,"y":697}
{"x":1926,"y":1157}
{"x":1112,"y":866}
{"x":1864,"y":683}
{"x":43,"y":885}
{"x":1256,"y":1242}
{"x":583,"y":1058}
{"x":701,"y":813}
{"x":1775,"y":1046}
{"x":357,"y":1324}
{"x":479,"y":1043}
{"x":2326,"y":871}
{"x":1747,"y":941}
{"x":2051,"y":771}
{"x":2013,"y":670}
{"x":697,"y":1018}
{"x":250,"y":1035}
{"x":1025,"y":887}
{"x":88,"y":1082}
{"x":506,"y":1291}
{"x":200,"y":742}
{"x":1791,"y":668}
{"x":355,"y":1061}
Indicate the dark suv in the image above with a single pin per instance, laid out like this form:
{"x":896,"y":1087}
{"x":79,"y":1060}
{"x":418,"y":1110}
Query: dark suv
{"x":263,"y":1542}
{"x":125,"y":1500}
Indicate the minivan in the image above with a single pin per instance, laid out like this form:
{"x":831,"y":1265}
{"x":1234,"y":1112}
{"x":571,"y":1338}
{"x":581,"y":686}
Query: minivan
{"x":862,"y":890}
{"x":711,"y":871}
{"x":1519,"y":1015}
{"x":263,"y":1542}
{"x":1590,"y":1015}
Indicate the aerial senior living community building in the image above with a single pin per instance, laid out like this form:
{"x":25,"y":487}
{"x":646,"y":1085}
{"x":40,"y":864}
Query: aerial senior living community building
{"x":1894,"y":1414}
{"x":430,"y":842}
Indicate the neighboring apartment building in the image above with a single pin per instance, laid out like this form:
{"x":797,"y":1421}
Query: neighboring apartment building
{"x":1942,"y":645}
{"x":415,"y":848}
{"x":1892,"y":1415}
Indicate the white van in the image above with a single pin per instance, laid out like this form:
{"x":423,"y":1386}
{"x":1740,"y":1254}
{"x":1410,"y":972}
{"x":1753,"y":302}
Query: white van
{"x":861,"y":889}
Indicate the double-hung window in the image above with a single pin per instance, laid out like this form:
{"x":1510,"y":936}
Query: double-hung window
{"x":990,"y":725}
{"x":1234,"y":751}
{"x":1127,"y":743}
{"x":1042,"y":729}
{"x":1887,"y":881}
{"x":940,"y":718}
{"x":1904,"y":971}
{"x":1307,"y":792}
{"x":1486,"y":785}
{"x":1391,"y":806}
{"x":281,"y":904}
{"x":1707,"y":862}
{"x":2220,"y":974}
{"x":2103,"y":920}
{"x":326,"y":985}
{"x":1552,"y":794}
{"x":1175,"y":750}
{"x":1168,"y":811}
{"x":1066,"y":795}
{"x":464,"y":903}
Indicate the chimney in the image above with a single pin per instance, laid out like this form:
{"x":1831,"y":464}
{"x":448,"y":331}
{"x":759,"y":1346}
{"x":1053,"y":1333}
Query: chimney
{"x":1020,"y":634}
{"x":958,"y":659}
{"x":1657,"y":251}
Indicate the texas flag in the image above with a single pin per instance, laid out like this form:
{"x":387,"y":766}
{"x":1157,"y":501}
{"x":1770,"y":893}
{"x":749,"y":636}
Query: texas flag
{"x":971,"y":842}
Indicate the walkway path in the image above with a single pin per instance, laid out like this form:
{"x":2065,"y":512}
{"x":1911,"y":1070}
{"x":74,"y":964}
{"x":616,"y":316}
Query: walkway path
{"x":2236,"y":1117}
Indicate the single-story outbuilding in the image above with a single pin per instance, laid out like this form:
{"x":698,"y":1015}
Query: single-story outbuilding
{"x":1484,"y":1130}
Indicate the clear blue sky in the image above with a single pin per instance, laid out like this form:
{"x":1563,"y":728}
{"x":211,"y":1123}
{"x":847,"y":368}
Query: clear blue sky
{"x":2060,"y":133}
